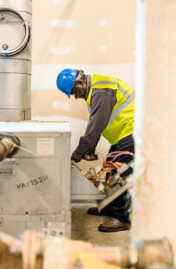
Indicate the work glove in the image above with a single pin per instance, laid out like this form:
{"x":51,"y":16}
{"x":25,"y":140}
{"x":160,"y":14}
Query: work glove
{"x":76,"y":156}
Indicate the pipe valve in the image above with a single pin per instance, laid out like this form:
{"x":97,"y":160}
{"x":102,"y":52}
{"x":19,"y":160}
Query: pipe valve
{"x":9,"y":145}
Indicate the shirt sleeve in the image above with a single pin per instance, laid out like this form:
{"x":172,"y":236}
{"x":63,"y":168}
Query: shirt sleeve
{"x":102,"y":103}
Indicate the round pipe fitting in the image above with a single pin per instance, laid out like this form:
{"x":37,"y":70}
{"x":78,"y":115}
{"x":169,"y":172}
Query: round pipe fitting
{"x":9,"y":145}
{"x":24,"y":23}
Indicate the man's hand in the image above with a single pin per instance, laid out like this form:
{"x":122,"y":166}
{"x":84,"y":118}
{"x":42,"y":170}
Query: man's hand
{"x":76,"y":156}
{"x":91,"y":150}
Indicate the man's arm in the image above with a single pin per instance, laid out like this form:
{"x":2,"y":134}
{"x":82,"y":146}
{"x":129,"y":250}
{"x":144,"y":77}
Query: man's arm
{"x":102,"y":103}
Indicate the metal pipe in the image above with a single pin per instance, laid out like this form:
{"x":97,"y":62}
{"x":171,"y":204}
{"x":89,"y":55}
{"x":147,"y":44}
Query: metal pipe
{"x":7,"y":145}
{"x":142,"y":255}
{"x":15,"y":60}
{"x":5,"y":148}
{"x":145,"y":254}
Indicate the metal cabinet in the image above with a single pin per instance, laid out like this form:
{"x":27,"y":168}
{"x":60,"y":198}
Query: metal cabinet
{"x":35,"y":183}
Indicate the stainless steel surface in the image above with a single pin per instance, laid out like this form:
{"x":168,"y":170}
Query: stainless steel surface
{"x":27,"y":52}
{"x":81,"y":188}
{"x":15,"y":97}
{"x":14,"y":31}
{"x":15,"y":60}
{"x":13,"y":65}
{"x":35,"y":187}
{"x":13,"y":114}
{"x":22,"y":5}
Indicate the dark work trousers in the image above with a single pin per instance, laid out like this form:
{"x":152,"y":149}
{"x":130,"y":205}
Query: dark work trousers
{"x":121,"y":205}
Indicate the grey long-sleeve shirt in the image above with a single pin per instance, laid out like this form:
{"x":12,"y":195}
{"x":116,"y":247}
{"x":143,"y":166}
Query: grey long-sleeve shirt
{"x":102,"y":103}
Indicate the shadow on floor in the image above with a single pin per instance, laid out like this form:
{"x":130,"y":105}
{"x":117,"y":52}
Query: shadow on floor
{"x":85,"y":228}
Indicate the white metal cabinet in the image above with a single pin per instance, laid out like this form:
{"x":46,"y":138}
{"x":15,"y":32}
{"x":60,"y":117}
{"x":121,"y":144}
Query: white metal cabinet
{"x":35,"y":188}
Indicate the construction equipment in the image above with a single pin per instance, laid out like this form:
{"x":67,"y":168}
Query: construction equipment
{"x":111,"y":181}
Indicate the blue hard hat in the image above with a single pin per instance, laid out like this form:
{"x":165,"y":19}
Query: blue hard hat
{"x":65,"y":80}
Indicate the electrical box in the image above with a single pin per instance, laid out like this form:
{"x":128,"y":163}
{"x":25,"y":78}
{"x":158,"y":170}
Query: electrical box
{"x":35,"y":183}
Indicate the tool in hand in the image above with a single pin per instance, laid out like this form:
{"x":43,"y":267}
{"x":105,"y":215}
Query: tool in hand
{"x":90,"y":157}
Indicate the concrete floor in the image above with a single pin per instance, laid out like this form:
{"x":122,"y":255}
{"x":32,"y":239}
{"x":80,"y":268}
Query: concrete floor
{"x":84,"y":227}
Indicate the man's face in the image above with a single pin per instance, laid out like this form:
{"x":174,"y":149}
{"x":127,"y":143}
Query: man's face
{"x":80,"y":89}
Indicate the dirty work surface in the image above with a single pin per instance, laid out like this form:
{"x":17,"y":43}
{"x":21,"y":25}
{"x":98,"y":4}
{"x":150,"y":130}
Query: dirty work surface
{"x":85,"y":228}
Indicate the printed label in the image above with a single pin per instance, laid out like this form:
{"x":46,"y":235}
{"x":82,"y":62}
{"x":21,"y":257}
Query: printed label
{"x":32,"y":183}
{"x":45,"y":146}
{"x":5,"y":47}
{"x":54,"y":229}
{"x":7,"y":171}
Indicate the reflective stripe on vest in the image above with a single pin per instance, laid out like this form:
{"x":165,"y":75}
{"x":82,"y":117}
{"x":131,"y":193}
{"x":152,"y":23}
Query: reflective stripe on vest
{"x":119,"y":109}
{"x":125,"y":93}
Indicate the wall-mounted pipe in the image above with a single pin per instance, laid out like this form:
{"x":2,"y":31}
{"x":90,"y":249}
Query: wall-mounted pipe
{"x":9,"y":145}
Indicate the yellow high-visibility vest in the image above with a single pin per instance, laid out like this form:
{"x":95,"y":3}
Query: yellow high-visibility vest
{"x":121,"y":120}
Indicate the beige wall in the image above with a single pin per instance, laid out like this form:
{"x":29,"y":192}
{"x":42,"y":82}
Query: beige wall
{"x":91,"y":23}
{"x":97,"y":36}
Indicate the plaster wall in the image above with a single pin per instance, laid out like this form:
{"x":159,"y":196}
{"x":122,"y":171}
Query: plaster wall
{"x":154,"y":196}
{"x":96,"y":36}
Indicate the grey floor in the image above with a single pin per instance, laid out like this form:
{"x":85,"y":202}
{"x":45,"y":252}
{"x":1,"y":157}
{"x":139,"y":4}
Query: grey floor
{"x":84,"y":227}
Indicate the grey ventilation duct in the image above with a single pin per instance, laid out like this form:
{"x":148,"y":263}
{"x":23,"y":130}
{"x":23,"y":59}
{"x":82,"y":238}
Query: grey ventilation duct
{"x":15,"y":60}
